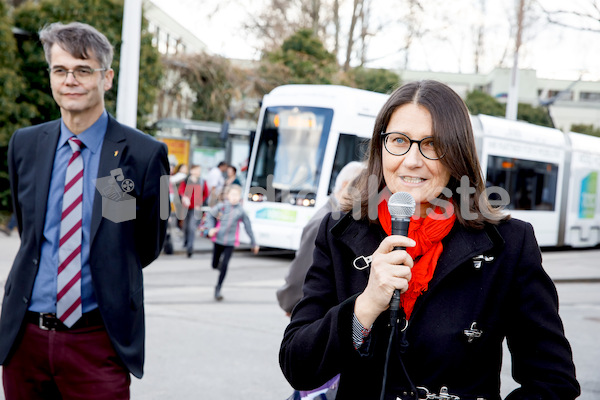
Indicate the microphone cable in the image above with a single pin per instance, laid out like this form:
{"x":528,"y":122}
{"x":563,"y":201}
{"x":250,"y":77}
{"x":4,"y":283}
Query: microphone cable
{"x":402,"y":345}
{"x":394,"y":308}
{"x":387,"y":360}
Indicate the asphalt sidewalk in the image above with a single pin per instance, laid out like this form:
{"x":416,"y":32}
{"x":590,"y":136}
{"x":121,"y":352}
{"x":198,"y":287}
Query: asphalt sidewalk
{"x":560,"y":264}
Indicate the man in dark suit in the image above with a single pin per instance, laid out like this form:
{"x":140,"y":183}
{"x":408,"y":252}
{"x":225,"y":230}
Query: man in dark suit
{"x":87,"y":196}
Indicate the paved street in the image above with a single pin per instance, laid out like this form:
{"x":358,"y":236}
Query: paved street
{"x":201,"y":349}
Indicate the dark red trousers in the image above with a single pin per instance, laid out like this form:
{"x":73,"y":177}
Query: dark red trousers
{"x":74,"y":364}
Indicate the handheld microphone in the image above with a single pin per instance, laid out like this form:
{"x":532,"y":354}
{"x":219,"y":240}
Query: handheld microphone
{"x":401,"y":206}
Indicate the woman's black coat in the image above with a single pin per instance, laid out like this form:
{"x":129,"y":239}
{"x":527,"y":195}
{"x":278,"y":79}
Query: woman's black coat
{"x":508,"y":295}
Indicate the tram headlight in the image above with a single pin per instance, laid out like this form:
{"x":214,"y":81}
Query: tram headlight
{"x":304,"y":200}
{"x":255,"y":196}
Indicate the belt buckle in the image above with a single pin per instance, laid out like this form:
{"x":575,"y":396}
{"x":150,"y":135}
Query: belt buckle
{"x":43,"y":322}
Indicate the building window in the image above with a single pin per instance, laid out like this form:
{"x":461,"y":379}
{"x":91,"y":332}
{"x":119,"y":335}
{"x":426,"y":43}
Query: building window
{"x":163,"y":42}
{"x":154,"y":30}
{"x":590,"y":97}
{"x":171,"y":45}
{"x":559,"y":94}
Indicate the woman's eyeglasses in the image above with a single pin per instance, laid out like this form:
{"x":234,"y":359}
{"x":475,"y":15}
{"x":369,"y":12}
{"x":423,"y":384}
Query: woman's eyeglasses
{"x":398,"y":144}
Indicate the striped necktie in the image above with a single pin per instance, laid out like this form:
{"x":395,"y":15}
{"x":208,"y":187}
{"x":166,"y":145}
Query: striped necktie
{"x":68,"y":297}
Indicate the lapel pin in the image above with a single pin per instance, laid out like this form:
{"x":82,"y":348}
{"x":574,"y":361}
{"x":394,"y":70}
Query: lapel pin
{"x":116,"y":152}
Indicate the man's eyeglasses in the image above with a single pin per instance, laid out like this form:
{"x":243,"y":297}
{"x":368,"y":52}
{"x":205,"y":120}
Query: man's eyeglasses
{"x":398,"y":144}
{"x":81,"y":74}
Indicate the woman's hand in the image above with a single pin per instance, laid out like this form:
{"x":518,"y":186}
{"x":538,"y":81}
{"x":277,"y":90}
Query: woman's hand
{"x":390,"y":270}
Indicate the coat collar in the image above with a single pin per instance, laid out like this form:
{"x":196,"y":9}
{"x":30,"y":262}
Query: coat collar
{"x":359,"y":236}
{"x":45,"y":152}
{"x":463,"y":244}
{"x":110,"y":157}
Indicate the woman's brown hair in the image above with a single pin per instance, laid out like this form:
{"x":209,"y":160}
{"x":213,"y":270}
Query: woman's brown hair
{"x":453,"y":135}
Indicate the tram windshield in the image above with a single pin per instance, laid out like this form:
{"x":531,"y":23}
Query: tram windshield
{"x":290,"y":154}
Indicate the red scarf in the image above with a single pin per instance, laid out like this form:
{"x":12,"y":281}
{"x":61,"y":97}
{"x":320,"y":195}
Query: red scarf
{"x":428,"y":233}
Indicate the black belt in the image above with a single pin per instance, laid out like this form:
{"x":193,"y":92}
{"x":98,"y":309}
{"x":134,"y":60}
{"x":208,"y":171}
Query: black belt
{"x":49,"y":322}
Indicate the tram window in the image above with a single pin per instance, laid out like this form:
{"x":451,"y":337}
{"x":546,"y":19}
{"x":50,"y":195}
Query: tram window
{"x":349,"y":148}
{"x":531,"y":185}
{"x":290,"y":152}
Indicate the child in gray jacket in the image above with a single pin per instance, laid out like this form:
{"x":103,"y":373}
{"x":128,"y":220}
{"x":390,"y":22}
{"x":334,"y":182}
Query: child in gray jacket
{"x":223,"y":225}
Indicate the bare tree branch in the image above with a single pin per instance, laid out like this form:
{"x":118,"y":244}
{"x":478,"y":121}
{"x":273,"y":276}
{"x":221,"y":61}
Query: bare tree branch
{"x":556,"y":17}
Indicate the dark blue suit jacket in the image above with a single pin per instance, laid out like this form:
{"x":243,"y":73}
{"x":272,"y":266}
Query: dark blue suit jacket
{"x":118,"y":251}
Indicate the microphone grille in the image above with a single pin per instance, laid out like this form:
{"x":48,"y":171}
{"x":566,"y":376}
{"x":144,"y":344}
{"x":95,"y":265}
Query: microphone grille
{"x":401,"y":205}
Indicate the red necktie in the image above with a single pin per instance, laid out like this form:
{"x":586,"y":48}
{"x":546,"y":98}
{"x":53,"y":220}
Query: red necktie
{"x":68,"y":297}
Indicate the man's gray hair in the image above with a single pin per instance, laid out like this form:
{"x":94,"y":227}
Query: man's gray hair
{"x":80,"y":40}
{"x":348,"y":174}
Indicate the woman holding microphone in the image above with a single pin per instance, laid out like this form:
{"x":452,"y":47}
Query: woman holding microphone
{"x":469,"y":278}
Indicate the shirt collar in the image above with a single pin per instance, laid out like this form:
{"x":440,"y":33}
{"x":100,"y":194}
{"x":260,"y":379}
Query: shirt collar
{"x":92,"y":137}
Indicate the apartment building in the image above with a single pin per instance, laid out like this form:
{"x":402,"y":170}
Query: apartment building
{"x":570,"y":102}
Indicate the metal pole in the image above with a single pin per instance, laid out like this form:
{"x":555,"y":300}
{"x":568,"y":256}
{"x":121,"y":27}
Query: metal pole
{"x":129,"y":65}
{"x":512,"y":102}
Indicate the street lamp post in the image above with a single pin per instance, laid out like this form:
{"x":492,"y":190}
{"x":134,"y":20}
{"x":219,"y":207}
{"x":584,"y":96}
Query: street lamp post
{"x":512,"y":103}
{"x":129,"y":65}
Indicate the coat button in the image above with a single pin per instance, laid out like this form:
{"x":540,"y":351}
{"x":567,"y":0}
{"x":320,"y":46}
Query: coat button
{"x":35,"y":261}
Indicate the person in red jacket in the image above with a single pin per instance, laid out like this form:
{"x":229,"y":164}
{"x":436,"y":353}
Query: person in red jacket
{"x":193,"y":192}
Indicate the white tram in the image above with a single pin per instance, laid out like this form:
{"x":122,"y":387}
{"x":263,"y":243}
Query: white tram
{"x":307,"y":133}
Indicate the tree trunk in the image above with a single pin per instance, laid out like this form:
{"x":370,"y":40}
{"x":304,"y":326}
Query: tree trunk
{"x":336,"y":22}
{"x":364,"y":32}
{"x":357,"y":7}
{"x":414,"y":28}
{"x":316,"y":5}
{"x":479,"y":43}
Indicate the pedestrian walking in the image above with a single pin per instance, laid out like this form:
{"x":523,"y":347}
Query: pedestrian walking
{"x":10,"y":226}
{"x":223,"y":225}
{"x":231,"y":179}
{"x":194,"y":193}
{"x":215,"y":181}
